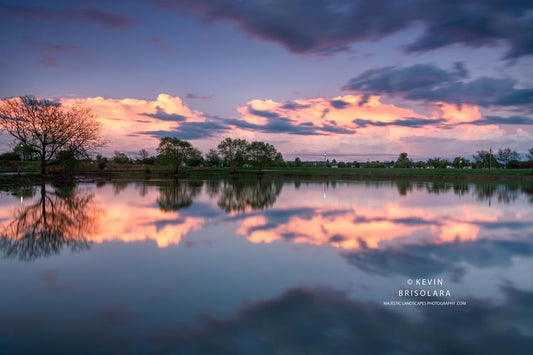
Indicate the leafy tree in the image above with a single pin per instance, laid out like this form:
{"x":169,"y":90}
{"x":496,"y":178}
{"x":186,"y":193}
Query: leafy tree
{"x":460,"y":162}
{"x":261,"y":154}
{"x":483,"y":159}
{"x":279,"y":161}
{"x":420,"y":164}
{"x":403,"y":161}
{"x":24,"y":151}
{"x":10,"y":156}
{"x":513,"y":164}
{"x":506,"y":155}
{"x":175,"y":152}
{"x":374,"y":164}
{"x":233,"y":151}
{"x":143,"y":157}
{"x":195,"y":158}
{"x":67,"y":159}
{"x":120,"y":158}
{"x":529,"y":154}
{"x":47,"y":128}
{"x":342,"y":164}
{"x":212,"y":158}
{"x":297,"y":162}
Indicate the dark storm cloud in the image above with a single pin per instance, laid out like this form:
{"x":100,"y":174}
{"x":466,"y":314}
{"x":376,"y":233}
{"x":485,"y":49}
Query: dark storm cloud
{"x":411,"y":122}
{"x":327,"y":27}
{"x":162,"y":115}
{"x":102,"y":18}
{"x":429,"y":83}
{"x":326,"y":321}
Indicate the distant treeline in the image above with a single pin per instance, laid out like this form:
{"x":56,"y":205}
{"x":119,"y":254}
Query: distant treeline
{"x":176,"y":153}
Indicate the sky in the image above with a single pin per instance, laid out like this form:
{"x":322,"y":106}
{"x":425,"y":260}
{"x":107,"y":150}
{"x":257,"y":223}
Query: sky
{"x":360,"y":80}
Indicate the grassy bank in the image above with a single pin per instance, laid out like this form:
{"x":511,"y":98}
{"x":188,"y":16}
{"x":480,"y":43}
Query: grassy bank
{"x":128,"y":171}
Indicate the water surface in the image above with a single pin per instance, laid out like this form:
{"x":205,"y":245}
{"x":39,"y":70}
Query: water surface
{"x":266,"y":266}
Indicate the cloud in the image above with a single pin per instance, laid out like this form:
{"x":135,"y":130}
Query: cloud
{"x":191,"y":130}
{"x":512,"y":120}
{"x":326,"y":28}
{"x":404,"y":122}
{"x":102,"y":18}
{"x":291,"y":105}
{"x":160,"y":114}
{"x":125,"y":119}
{"x":429,"y":83}
{"x":339,"y":104}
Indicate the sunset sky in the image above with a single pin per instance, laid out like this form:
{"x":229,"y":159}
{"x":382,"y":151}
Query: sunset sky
{"x":358,"y":79}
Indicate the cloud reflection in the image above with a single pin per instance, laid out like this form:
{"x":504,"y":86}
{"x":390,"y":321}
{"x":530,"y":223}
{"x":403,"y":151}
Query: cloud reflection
{"x":310,"y":321}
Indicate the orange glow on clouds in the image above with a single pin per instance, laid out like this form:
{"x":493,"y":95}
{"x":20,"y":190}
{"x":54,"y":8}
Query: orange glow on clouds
{"x":329,"y":128}
{"x":122,"y":119}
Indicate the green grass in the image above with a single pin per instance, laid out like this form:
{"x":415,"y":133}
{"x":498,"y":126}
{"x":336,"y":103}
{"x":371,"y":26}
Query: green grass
{"x":125,"y":171}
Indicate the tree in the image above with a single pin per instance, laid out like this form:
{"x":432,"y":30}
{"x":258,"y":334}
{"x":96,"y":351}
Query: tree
{"x":143,"y":156}
{"x":261,"y":154}
{"x":460,"y":162}
{"x":278,"y":160}
{"x":297,"y":162}
{"x":120,"y":158}
{"x":506,"y":155}
{"x":195,"y":158}
{"x":67,"y":159}
{"x":27,"y":153}
{"x":529,"y":154}
{"x":175,"y":152}
{"x":48,"y":128}
{"x":403,"y":161}
{"x":483,"y":159}
{"x":233,"y":151}
{"x":212,"y":158}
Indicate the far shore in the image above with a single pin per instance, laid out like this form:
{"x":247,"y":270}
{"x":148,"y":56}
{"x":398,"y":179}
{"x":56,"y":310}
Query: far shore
{"x":304,"y":173}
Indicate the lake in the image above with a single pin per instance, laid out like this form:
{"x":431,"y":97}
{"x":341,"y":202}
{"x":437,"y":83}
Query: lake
{"x":267,"y":267}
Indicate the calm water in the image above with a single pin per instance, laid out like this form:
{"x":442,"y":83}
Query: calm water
{"x":267,"y":267}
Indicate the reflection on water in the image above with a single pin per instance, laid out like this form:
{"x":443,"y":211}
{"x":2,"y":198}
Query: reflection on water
{"x":57,"y":219}
{"x":266,"y":266}
{"x":239,"y":196}
{"x":311,"y":321}
{"x":177,"y":194}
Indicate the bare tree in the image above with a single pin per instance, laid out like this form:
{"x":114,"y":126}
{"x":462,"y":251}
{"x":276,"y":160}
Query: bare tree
{"x":47,"y":128}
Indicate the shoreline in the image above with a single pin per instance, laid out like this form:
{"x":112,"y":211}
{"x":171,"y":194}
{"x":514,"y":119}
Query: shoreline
{"x":503,"y":175}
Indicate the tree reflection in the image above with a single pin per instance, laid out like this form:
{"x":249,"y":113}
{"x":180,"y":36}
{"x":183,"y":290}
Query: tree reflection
{"x":237,"y":196}
{"x":59,"y":219}
{"x":178,"y":194}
